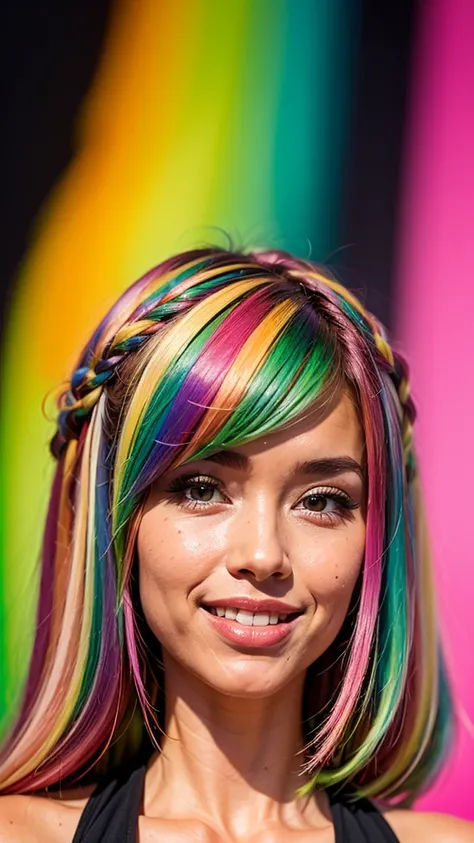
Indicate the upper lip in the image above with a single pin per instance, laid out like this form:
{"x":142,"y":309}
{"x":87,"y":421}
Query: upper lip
{"x":250,"y":604}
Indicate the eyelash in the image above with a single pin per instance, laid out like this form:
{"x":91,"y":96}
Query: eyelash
{"x":345,"y":504}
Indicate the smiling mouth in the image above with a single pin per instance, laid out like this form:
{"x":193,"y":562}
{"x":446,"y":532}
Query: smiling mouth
{"x":246,"y":618}
{"x":252,"y":630}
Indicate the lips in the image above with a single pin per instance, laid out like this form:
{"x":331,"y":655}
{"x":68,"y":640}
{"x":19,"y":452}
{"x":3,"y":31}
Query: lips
{"x":268,"y":604}
{"x":252,"y":623}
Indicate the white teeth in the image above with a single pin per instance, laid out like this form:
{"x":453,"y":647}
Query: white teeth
{"x":243,"y":617}
{"x":261,"y":619}
{"x":248,"y":618}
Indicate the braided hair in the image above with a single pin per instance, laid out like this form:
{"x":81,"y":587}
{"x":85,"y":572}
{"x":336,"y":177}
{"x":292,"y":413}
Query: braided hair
{"x":99,"y":364}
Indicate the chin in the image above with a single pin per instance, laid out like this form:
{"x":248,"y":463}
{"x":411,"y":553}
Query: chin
{"x":245,"y":676}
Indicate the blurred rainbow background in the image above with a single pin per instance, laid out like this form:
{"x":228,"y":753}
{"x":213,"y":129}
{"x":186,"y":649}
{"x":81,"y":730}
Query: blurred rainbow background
{"x":292,"y":124}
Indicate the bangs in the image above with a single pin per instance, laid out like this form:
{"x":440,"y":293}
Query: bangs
{"x":249,"y":359}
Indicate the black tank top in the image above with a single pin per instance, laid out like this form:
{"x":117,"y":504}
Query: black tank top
{"x":111,"y":815}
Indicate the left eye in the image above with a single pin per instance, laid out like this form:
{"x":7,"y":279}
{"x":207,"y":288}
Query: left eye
{"x":318,"y":503}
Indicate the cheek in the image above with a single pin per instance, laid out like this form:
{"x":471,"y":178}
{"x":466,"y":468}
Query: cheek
{"x":160,"y":557}
{"x":331,"y":573}
{"x":333,"y":569}
{"x":172,"y":560}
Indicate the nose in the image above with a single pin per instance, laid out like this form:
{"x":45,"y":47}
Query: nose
{"x":257,"y":549}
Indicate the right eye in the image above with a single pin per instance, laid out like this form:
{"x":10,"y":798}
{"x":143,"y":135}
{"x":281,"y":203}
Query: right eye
{"x":196,"y":492}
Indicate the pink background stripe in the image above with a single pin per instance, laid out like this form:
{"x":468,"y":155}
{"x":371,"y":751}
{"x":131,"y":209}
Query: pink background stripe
{"x":435,"y":322}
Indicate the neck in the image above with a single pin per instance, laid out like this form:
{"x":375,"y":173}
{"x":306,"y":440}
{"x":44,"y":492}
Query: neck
{"x":232,"y":762}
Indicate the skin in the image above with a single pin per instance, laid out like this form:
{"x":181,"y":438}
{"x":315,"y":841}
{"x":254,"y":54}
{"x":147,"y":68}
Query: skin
{"x":233,"y":714}
{"x":228,"y":769}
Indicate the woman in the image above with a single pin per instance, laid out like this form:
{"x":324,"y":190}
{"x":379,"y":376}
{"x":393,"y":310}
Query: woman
{"x":236,"y":637}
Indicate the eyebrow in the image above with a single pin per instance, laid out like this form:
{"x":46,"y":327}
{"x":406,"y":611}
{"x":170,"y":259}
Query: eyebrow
{"x":315,"y":468}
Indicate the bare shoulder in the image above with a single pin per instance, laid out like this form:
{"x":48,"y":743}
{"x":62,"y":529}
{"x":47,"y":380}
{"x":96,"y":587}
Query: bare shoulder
{"x":411,"y":826}
{"x":36,"y":818}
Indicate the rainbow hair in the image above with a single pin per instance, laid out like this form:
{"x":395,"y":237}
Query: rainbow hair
{"x":208,"y":350}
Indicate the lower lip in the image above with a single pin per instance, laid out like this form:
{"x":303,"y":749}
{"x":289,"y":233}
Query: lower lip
{"x":252,"y":636}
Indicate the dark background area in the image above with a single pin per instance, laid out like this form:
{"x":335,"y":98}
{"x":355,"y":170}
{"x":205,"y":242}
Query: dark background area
{"x":49,"y":54}
{"x":50,"y":49}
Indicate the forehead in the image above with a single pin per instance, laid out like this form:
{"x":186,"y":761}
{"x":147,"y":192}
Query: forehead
{"x":328,"y":432}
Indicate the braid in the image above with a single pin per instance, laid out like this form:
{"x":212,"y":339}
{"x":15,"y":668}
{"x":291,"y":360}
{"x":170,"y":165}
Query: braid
{"x":399,"y":376}
{"x":397,"y":369}
{"x":87,"y":382}
{"x":97,"y":367}
{"x":402,"y":385}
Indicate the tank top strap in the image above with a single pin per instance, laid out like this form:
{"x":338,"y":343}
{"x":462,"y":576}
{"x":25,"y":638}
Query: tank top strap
{"x":359,"y":822}
{"x":112,"y":811}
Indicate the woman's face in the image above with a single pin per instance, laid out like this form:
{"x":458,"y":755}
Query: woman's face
{"x":268,"y":529}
